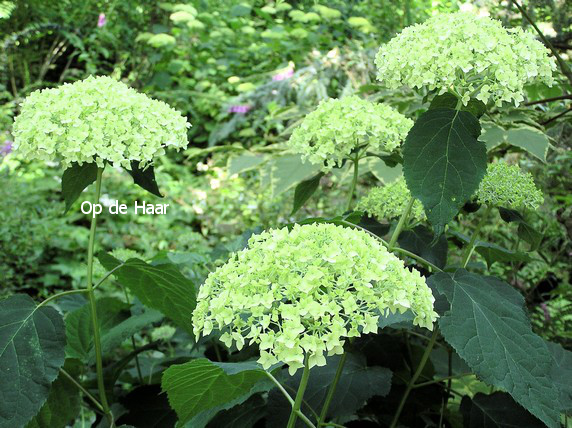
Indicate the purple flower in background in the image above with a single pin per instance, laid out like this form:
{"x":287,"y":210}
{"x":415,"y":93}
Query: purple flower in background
{"x":6,"y":148}
{"x":283,"y":76}
{"x":101,"y":21}
{"x":546,"y":313}
{"x":242,"y":109}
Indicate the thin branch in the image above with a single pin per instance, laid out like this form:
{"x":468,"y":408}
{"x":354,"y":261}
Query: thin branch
{"x":559,"y":115}
{"x":434,"y":381}
{"x":549,"y":100}
{"x":82,"y":389}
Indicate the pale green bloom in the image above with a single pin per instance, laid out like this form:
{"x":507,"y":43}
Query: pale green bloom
{"x":165,"y":332}
{"x":470,"y":55}
{"x":305,"y":290}
{"x":329,"y":134}
{"x":388,"y":202}
{"x":96,"y":120}
{"x":508,"y":186}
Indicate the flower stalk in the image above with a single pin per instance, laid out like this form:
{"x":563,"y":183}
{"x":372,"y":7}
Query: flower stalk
{"x":299,"y":394}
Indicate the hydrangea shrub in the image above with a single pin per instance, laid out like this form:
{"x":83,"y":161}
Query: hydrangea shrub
{"x":307,"y":290}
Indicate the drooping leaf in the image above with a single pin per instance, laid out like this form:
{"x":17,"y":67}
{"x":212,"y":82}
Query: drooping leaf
{"x":305,"y":190}
{"x":443,"y":162}
{"x":161,"y":287}
{"x":488,"y":327}
{"x":79,"y":331}
{"x":202,"y":385}
{"x":419,"y":240}
{"x":357,"y":384}
{"x":75,"y":179}
{"x":61,"y":407}
{"x":524,"y":137}
{"x":145,"y":178}
{"x":32,"y":351}
{"x":495,"y":253}
{"x":497,"y":410}
{"x":287,"y":171}
{"x":525,"y":231}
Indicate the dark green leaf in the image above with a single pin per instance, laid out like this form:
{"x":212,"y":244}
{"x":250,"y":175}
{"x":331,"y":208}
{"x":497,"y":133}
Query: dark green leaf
{"x":396,"y":320}
{"x":419,"y":240}
{"x":357,"y":384}
{"x":525,"y":231}
{"x":488,"y":327}
{"x":145,"y":178}
{"x":147,"y":407}
{"x":494,"y":253}
{"x":497,"y":410}
{"x":305,"y":190}
{"x":32,"y":351}
{"x":443,"y":162}
{"x":75,"y":179}
{"x":61,"y":407}
{"x":79,"y":331}
{"x":244,"y":162}
{"x":160,"y":287}
{"x":448,"y":100}
{"x":244,"y":415}
{"x":562,"y":374}
{"x":440,"y":359}
{"x":201,"y":385}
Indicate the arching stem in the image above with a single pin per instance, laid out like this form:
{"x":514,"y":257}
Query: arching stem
{"x":471,"y":246}
{"x":401,"y":223}
{"x":332,"y":390}
{"x":354,"y":183}
{"x":299,"y":394}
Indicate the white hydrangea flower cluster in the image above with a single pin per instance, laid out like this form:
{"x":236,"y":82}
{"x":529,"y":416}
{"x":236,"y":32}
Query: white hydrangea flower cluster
{"x":472,"y":56}
{"x":305,"y":290}
{"x":508,"y":186}
{"x":328,"y":135}
{"x":96,"y":120}
{"x":387,"y":202}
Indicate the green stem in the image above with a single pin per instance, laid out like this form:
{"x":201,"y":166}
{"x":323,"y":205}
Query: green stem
{"x":299,"y":394}
{"x":401,"y":223}
{"x":290,"y":399}
{"x":93,"y":306}
{"x":63,"y":293}
{"x":418,"y":258}
{"x":415,"y":376}
{"x":434,"y":381}
{"x":332,"y":390}
{"x":471,"y":247}
{"x":82,"y":389}
{"x":354,"y":183}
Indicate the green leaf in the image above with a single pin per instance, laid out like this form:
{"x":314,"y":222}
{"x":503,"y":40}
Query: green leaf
{"x":113,"y":338}
{"x":201,"y":385}
{"x":525,"y":231}
{"x":396,"y":320}
{"x":443,"y":162}
{"x":161,"y":287}
{"x":61,"y":407}
{"x":448,"y":100}
{"x":147,"y":407}
{"x":524,"y":137}
{"x":382,"y":171}
{"x":419,"y":240}
{"x":497,"y":410}
{"x":285,"y":172}
{"x":244,"y":415}
{"x":488,"y":327}
{"x":357,"y":384}
{"x":145,"y":178}
{"x":79,"y":332}
{"x":244,"y":162}
{"x":562,"y":374}
{"x":32,"y":351}
{"x":305,"y":190}
{"x":495,"y":253}
{"x":75,"y":179}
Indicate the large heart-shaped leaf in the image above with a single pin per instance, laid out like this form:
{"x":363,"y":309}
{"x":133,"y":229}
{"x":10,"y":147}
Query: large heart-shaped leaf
{"x":419,"y":240}
{"x":161,"y":287}
{"x":488,"y":327}
{"x":443,"y":162}
{"x":32,"y":351}
{"x":202,"y":385}
{"x":75,"y":179}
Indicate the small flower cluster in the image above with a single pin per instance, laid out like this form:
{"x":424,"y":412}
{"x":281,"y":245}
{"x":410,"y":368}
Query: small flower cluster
{"x":304,"y":291}
{"x":328,"y":135}
{"x":470,"y":55}
{"x":508,"y":186}
{"x":388,"y":202}
{"x":97,"y":119}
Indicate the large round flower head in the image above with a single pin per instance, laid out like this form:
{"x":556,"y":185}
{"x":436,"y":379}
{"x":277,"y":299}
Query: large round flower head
{"x":508,"y":186}
{"x":305,"y":290}
{"x":470,"y":55}
{"x":96,"y":120}
{"x":387,"y":202}
{"x":329,"y":134}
